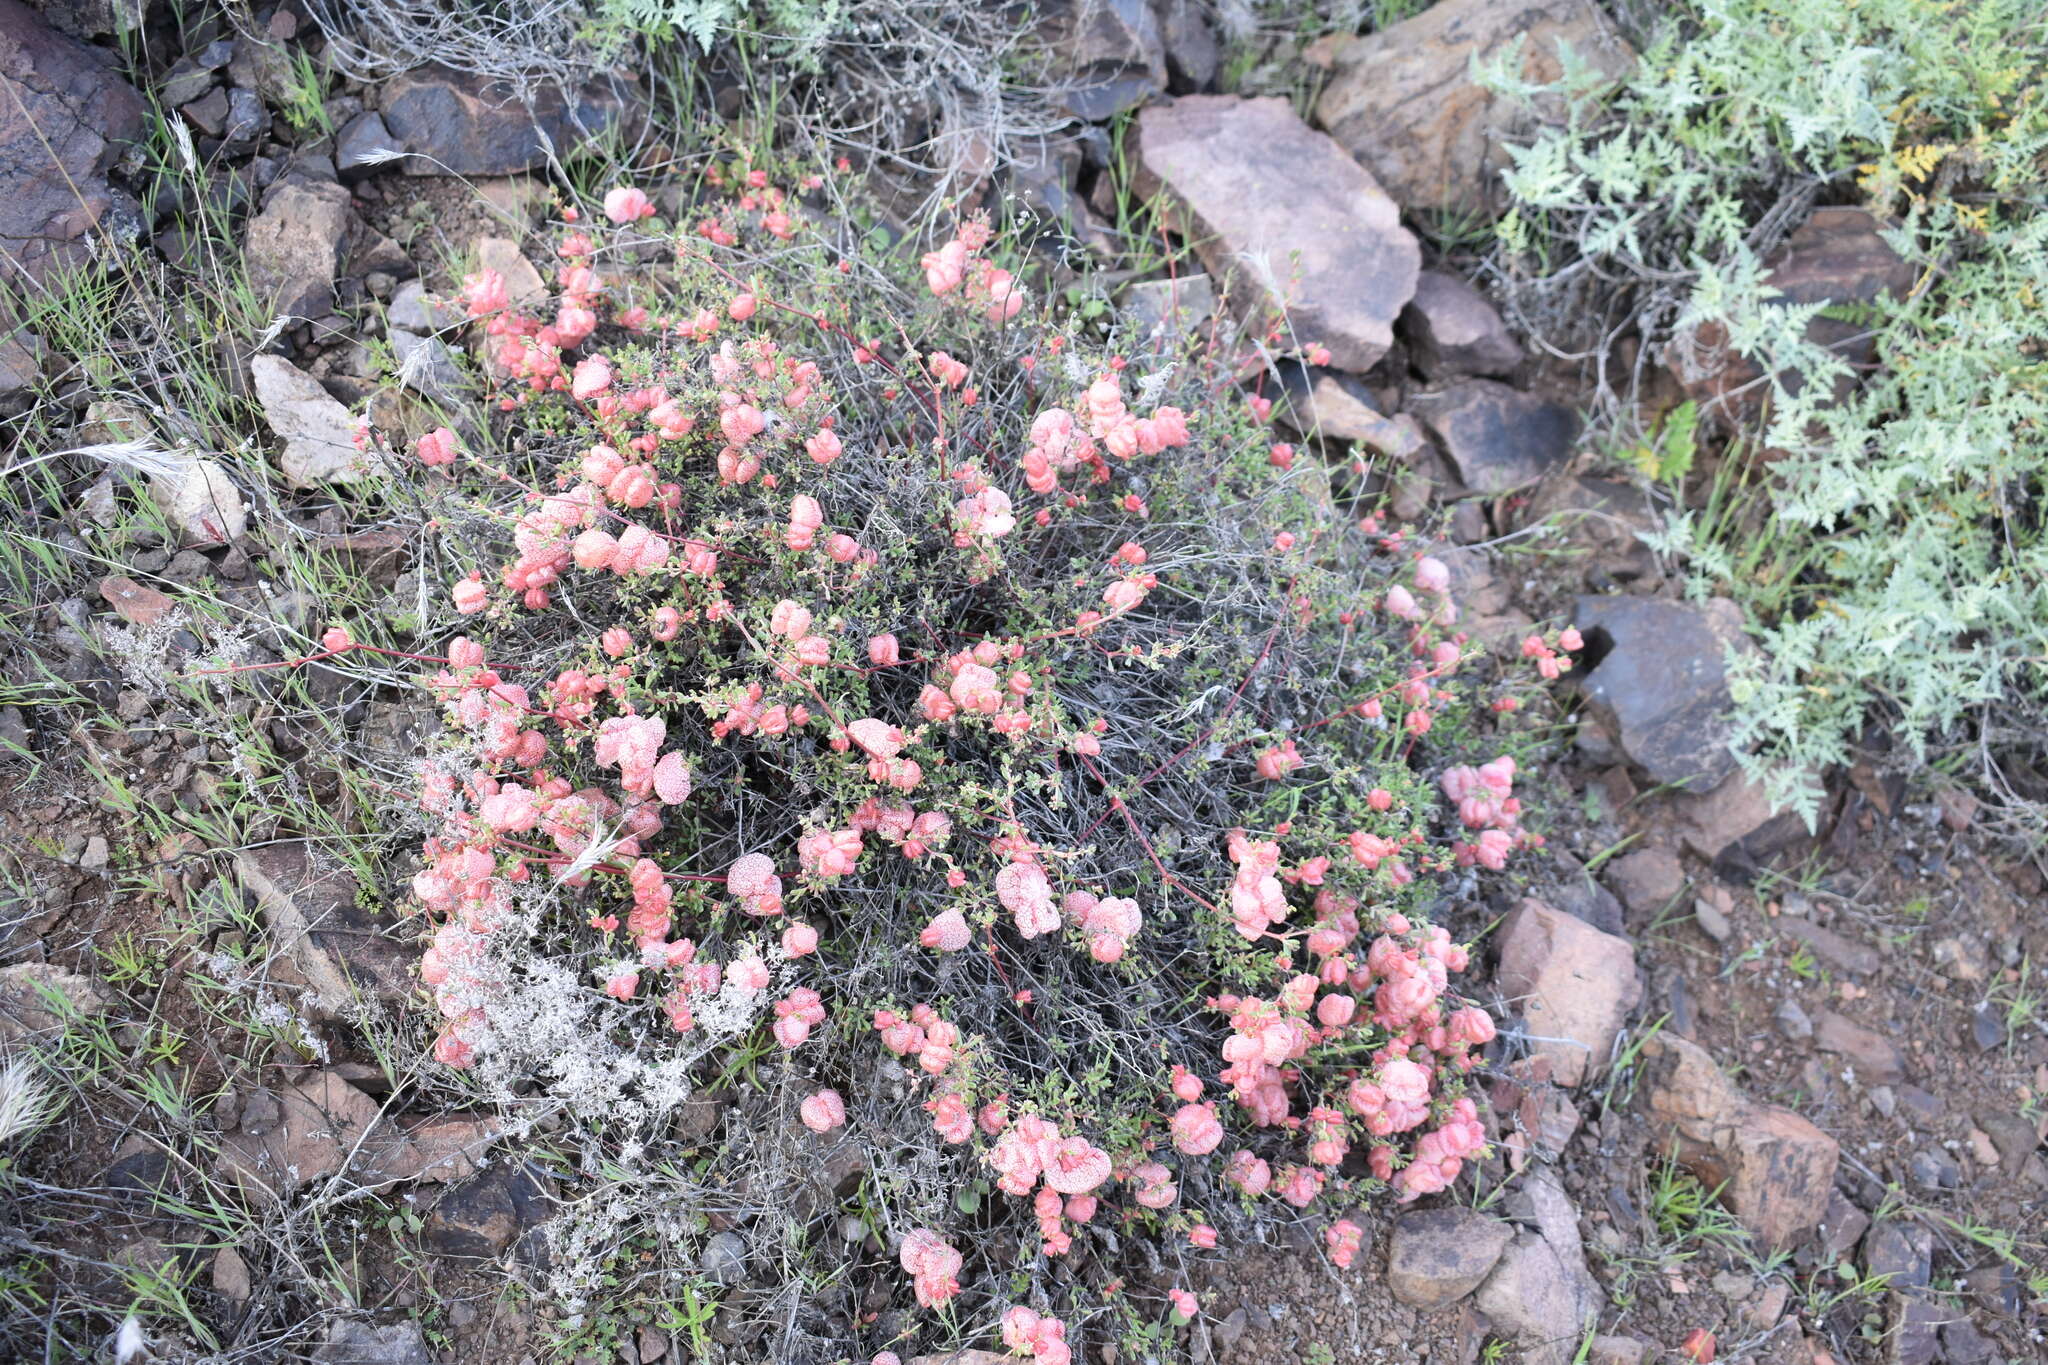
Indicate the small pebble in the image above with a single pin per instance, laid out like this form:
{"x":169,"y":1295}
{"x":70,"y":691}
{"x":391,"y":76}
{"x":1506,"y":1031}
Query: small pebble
{"x":1792,"y":1021}
{"x":1712,"y":922}
{"x":1986,"y":1029}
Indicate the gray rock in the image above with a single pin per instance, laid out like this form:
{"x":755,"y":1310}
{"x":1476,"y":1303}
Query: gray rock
{"x":1923,"y":1105}
{"x":1904,"y":1252}
{"x":1162,"y":312}
{"x":1646,"y":879}
{"x":21,"y":359}
{"x":1987,"y":1030}
{"x":350,"y":1342}
{"x":1962,"y":957}
{"x":1732,"y":1285}
{"x":413,"y":311}
{"x":1193,"y":56}
{"x":724,"y":1258}
{"x":344,"y":951}
{"x":1454,"y":333}
{"x":1109,"y":53}
{"x":832,"y":1170}
{"x":1336,"y":406}
{"x":231,"y":1276}
{"x":459,"y":124}
{"x":1935,"y":1170}
{"x":373,"y":252}
{"x":1603,"y":518}
{"x":1543,"y":1202}
{"x":201,"y":503}
{"x":1841,"y":1227}
{"x":1281,"y":209}
{"x":263,"y":62}
{"x":362,"y":139}
{"x":146,"y":1171}
{"x":294,"y":246}
{"x":94,"y":18}
{"x":1576,"y":893}
{"x":25,"y":1010}
{"x":1963,"y":1344}
{"x":1498,"y":439}
{"x":1792,"y":1021}
{"x":1044,"y":172}
{"x":247,"y":119}
{"x":1607,"y":1350}
{"x":318,"y":433}
{"x":427,"y":366}
{"x":2012,"y":1136}
{"x":1440,"y":1255}
{"x":486,"y":1215}
{"x":1662,"y":679}
{"x":1831,"y":947}
{"x":1533,"y":1298}
{"x":185,"y":82}
{"x":1713,"y":921}
{"x":65,"y":118}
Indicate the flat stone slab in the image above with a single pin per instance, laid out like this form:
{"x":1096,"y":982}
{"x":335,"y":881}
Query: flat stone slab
{"x":318,"y":432}
{"x":1281,"y":211}
{"x":1498,"y":439}
{"x":1664,"y":680}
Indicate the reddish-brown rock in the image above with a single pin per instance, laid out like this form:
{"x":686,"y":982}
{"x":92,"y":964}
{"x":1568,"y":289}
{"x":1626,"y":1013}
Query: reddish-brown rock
{"x":64,"y":118}
{"x":1280,"y":210}
{"x":138,"y":605}
{"x":1775,"y":1170}
{"x":1735,"y":820}
{"x":346,"y":953}
{"x":1454,"y":333}
{"x":1876,"y":1060}
{"x":1573,"y":985}
{"x":322,"y":1126}
{"x":1403,"y":101}
{"x":1647,"y":879}
{"x":1440,"y":1255}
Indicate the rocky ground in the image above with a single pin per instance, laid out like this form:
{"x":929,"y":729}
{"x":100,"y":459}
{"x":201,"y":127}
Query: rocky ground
{"x":1768,"y":1093}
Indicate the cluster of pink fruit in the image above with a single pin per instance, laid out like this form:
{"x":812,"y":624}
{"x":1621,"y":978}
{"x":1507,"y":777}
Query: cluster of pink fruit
{"x":759,"y":421}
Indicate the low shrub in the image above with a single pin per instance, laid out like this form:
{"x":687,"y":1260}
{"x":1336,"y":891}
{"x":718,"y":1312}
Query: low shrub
{"x":1906,"y":513}
{"x":987,"y":754}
